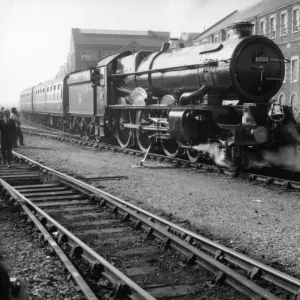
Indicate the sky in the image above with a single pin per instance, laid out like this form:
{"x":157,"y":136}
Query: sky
{"x":35,"y":34}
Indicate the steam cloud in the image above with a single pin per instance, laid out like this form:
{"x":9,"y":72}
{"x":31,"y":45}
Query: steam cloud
{"x":215,"y":153}
{"x":288,"y":157}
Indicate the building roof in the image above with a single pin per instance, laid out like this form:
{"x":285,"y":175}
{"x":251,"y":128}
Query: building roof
{"x":255,"y":10}
{"x":121,"y":37}
{"x":149,"y":33}
{"x":118,"y":37}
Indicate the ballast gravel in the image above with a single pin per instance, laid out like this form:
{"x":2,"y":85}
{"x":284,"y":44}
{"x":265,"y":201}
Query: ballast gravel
{"x":261,"y":222}
{"x":26,"y":259}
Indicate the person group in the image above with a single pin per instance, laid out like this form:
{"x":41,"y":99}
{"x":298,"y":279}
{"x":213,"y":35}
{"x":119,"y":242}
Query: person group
{"x":10,"y":132}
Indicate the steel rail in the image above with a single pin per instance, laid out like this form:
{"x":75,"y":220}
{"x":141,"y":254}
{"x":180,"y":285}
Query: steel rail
{"x":130,"y":289}
{"x":47,"y":236}
{"x":254,"y":268}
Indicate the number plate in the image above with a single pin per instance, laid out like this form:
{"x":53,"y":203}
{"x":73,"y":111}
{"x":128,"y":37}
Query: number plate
{"x":261,"y":59}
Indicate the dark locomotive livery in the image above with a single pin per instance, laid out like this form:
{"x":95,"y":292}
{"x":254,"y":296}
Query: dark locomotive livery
{"x":212,"y":98}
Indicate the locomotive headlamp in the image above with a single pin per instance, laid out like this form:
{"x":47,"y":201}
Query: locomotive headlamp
{"x":276,"y":113}
{"x":260,"y":135}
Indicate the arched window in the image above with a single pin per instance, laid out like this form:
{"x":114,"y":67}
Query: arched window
{"x":281,"y":99}
{"x":295,"y":106}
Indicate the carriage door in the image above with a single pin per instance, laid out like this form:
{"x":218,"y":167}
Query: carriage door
{"x":101,"y":98}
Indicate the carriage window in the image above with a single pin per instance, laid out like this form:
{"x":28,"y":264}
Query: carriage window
{"x":59,"y":87}
{"x":54,"y":87}
{"x":47,"y":89}
{"x":51,"y":88}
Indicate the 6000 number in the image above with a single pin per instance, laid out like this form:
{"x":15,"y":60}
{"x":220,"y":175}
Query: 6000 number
{"x":261,"y":59}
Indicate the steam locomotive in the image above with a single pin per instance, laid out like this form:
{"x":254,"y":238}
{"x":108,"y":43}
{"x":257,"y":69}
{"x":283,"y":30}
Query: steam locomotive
{"x":212,"y":98}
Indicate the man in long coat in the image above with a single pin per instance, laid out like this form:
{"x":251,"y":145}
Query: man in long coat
{"x":8,"y":132}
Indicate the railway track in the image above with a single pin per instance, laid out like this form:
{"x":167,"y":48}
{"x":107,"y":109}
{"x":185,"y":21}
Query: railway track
{"x":137,"y":254}
{"x":285,"y":179}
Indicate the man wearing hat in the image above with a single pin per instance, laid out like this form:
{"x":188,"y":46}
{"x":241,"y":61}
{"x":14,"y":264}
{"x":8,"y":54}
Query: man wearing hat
{"x":8,"y":133}
{"x":15,"y":116}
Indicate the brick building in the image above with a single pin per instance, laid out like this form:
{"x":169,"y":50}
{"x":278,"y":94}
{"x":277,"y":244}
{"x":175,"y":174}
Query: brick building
{"x":280,"y":21}
{"x":88,"y":46}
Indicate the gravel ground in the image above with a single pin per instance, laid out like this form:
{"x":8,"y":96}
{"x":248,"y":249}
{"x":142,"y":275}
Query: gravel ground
{"x":262,"y":222}
{"x":19,"y":251}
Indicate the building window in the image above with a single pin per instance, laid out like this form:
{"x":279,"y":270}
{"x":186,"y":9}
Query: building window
{"x":294,"y":68}
{"x":285,"y":72}
{"x":272,"y":26}
{"x":295,"y":22}
{"x":295,"y":106}
{"x":263,"y":26}
{"x":281,"y":99}
{"x":107,"y":53}
{"x":283,"y":22}
{"x":89,"y":55}
{"x":253,"y":27}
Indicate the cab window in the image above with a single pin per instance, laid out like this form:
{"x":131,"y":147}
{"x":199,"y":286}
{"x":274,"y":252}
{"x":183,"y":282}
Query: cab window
{"x":102,"y":76}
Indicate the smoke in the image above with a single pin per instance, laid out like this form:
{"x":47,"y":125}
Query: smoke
{"x":216,"y":153}
{"x":288,"y":157}
{"x":181,"y":13}
{"x":184,"y":36}
{"x":292,"y":130}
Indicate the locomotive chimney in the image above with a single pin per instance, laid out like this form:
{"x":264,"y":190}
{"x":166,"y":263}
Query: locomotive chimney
{"x":240,"y":30}
{"x":172,"y":43}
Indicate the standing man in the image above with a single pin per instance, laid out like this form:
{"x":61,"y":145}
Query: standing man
{"x":15,"y":116}
{"x":8,"y":132}
{"x":2,"y":113}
